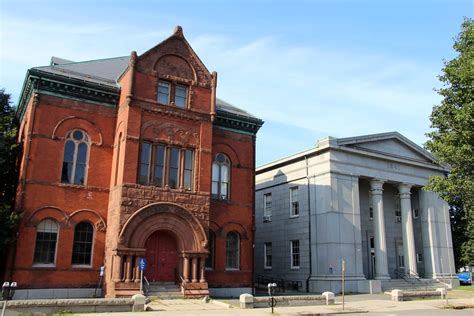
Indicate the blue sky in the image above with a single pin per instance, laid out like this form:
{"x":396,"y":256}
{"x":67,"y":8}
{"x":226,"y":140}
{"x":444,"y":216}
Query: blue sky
{"x":309,"y":69}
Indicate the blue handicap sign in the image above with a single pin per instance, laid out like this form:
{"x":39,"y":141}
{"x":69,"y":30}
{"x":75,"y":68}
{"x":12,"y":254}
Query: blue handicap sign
{"x":142,"y":264}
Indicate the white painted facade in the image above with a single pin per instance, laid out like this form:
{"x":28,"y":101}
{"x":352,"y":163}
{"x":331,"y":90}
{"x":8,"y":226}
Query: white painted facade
{"x":361,"y":200}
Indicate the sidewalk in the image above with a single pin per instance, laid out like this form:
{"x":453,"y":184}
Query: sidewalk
{"x":361,"y":303}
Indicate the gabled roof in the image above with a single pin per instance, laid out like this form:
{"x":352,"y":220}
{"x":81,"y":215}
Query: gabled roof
{"x":371,"y":143}
{"x":390,"y":145}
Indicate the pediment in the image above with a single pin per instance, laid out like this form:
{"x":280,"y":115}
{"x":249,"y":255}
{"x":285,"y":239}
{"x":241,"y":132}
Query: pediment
{"x":391,"y":144}
{"x":174,"y":58}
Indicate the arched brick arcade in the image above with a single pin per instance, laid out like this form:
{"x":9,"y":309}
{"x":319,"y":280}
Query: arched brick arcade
{"x":162,"y":219}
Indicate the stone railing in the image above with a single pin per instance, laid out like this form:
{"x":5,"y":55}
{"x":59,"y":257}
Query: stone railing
{"x":250,"y":301}
{"x":399,"y":295}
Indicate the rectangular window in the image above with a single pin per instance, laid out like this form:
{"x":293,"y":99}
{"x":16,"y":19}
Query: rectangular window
{"x":294,"y":203}
{"x":398,"y":211}
{"x":416,"y":213}
{"x":180,"y":97}
{"x":158,"y":174}
{"x":295,"y":254}
{"x":145,"y":157}
{"x":173,"y":176}
{"x":160,"y":165}
{"x":419,"y":257}
{"x":267,"y":207}
{"x":267,"y":255}
{"x":188,"y":170}
{"x":371,"y":213}
{"x":164,"y":92}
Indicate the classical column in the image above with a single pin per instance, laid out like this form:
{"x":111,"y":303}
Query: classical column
{"x":409,"y":252}
{"x":195,"y":269}
{"x":137,"y":269}
{"x":186,"y":269}
{"x":117,"y":277}
{"x":128,"y":269}
{"x":381,"y":265}
{"x":202,"y":265}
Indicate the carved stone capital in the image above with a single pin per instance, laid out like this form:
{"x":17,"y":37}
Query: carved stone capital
{"x":376,"y":186}
{"x":404,"y":190}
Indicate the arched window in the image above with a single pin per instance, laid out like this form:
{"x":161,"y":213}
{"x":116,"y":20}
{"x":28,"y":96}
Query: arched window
{"x":75,"y":157}
{"x":82,"y":248}
{"x":232,"y":251}
{"x":220,"y":177}
{"x":212,"y":247}
{"x":46,"y":240}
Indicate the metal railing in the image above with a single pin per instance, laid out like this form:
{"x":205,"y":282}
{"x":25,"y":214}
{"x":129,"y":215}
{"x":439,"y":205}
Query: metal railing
{"x":411,"y":278}
{"x":146,"y":286}
{"x":261,"y":281}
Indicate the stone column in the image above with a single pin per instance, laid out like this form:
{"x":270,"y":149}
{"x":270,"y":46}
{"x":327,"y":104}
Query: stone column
{"x":195,"y":269}
{"x":128,"y":269}
{"x":137,"y":269}
{"x":202,"y":266}
{"x":409,"y":252}
{"x":381,"y":265}
{"x":117,"y":276}
{"x":186,"y":269}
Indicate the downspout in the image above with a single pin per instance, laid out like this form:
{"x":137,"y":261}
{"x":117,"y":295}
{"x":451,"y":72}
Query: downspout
{"x":253,"y":215}
{"x":213,"y":99}
{"x":309,"y":223}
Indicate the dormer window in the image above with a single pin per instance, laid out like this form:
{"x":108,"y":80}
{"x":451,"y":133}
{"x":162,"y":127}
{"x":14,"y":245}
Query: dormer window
{"x":172,"y":94}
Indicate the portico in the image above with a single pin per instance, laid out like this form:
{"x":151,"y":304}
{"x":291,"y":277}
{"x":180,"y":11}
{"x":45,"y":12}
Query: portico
{"x":366,"y":206}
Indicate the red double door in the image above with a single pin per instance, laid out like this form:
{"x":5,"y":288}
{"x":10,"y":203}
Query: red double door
{"x":161,"y":255}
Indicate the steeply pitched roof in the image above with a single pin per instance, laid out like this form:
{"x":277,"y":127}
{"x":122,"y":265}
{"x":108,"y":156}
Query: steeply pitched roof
{"x":107,"y":72}
{"x":101,"y":71}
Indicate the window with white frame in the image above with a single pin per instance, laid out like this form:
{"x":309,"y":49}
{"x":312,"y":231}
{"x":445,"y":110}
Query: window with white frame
{"x":267,"y":257}
{"x":419,"y":257}
{"x":220,"y":177}
{"x":232,"y":261}
{"x":267,"y":206}
{"x":75,"y":157}
{"x":295,"y":254}
{"x":46,"y":240}
{"x":82,"y":247}
{"x":294,"y":203}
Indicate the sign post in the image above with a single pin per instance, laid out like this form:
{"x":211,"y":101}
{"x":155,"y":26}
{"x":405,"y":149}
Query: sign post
{"x":142,"y":266}
{"x":343,"y":270}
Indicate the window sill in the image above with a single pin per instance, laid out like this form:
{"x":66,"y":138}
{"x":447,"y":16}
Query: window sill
{"x":71,"y":185}
{"x":232,"y":269}
{"x":295,"y":268}
{"x":267,"y":268}
{"x":81,"y":267}
{"x":44,"y":266}
{"x":294,"y":216}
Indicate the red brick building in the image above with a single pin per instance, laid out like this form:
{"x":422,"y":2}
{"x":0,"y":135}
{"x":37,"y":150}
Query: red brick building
{"x":134,"y":157}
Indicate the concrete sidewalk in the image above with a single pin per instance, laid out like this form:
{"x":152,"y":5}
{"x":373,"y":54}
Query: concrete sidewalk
{"x":353,"y":304}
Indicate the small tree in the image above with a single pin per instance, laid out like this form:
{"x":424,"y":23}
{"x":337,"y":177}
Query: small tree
{"x":452,"y":143}
{"x":8,"y":175}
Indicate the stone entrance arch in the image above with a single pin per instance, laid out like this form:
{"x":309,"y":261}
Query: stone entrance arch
{"x":191,"y":236}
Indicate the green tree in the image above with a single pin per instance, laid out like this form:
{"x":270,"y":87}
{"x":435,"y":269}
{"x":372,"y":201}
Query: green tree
{"x":8,"y":174}
{"x":452,"y":142}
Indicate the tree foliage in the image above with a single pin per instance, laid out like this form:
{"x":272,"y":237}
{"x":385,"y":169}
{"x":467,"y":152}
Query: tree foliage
{"x":8,"y":175}
{"x":452,"y":142}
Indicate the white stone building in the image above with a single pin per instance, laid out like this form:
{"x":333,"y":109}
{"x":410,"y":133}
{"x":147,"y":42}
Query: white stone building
{"x":357,"y":199}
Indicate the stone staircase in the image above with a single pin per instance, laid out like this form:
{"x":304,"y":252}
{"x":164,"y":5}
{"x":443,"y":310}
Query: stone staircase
{"x":411,"y":284}
{"x":164,"y":290}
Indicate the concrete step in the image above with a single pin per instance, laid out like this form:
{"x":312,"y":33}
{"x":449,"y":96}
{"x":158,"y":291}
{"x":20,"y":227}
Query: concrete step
{"x":400,"y":284}
{"x":164,"y":290}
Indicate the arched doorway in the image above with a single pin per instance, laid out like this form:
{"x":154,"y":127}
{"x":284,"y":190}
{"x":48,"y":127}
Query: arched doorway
{"x":162,"y":256}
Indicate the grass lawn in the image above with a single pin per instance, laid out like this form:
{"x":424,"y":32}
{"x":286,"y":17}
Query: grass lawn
{"x":466,"y":288}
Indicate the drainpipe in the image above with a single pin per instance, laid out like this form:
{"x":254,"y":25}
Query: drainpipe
{"x":309,"y":223}
{"x":253,"y":215}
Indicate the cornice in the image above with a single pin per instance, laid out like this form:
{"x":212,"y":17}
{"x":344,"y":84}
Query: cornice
{"x":237,"y":123}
